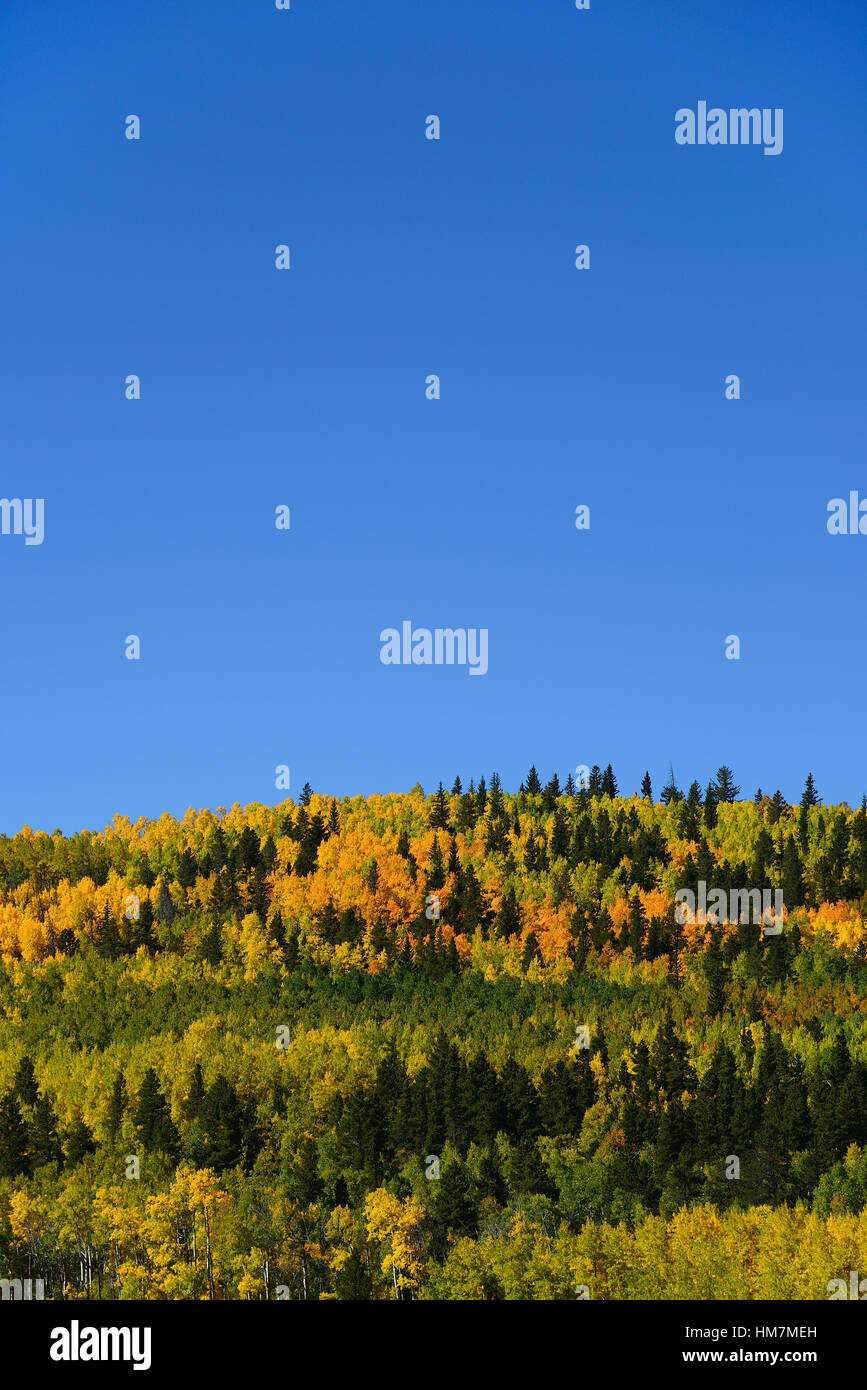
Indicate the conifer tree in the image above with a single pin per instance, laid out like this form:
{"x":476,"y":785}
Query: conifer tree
{"x":609,"y":782}
{"x":302,"y":1181}
{"x":24,"y":1085}
{"x":439,"y":816}
{"x":808,"y":799}
{"x":211,"y":947}
{"x":508,"y":918}
{"x":14,"y":1153}
{"x":793,"y":882}
{"x":44,"y":1143}
{"x":353,"y":1282}
{"x":671,"y":791}
{"x":143,"y":930}
{"x":550,"y":793}
{"x":724,"y":785}
{"x":496,"y":805}
{"x":153,"y":1120}
{"x":454,"y":1208}
{"x":531,"y":951}
{"x":193,"y":1103}
{"x":637,"y":927}
{"x":79,"y":1141}
{"x":165,"y":907}
{"x":116,"y":1105}
{"x":778,"y":807}
{"x":714,"y":971}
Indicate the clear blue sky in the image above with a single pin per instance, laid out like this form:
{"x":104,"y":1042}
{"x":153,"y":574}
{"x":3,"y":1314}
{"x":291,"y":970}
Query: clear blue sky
{"x":306,"y":387}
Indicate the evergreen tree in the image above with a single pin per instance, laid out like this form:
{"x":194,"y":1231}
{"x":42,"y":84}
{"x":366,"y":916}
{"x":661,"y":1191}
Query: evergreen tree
{"x":24,"y":1085}
{"x":44,"y":1138}
{"x":531,"y":951}
{"x":79,"y":1141}
{"x":527,"y":1172}
{"x":552,"y":790}
{"x":496,"y":803}
{"x":186,"y":871}
{"x":637,"y":927}
{"x":559,"y":837}
{"x":793,"y":881}
{"x":165,"y":911}
{"x":212,"y":945}
{"x":809,"y":798}
{"x":724,"y":785}
{"x":674,"y":1141}
{"x":142,"y":933}
{"x":778,"y":807}
{"x":305,"y":862}
{"x":193,"y":1103}
{"x":454,"y":1208}
{"x":302,"y":1181}
{"x":14,"y":1152}
{"x":609,"y":782}
{"x":671,"y":791}
{"x":763,"y":858}
{"x":489,"y":1182}
{"x":291,"y":952}
{"x":109,"y":936}
{"x":278,"y":931}
{"x":436,"y":874}
{"x":220,"y":1117}
{"x":353,"y":1282}
{"x":153,"y":1119}
{"x":508,"y":919}
{"x":116,"y":1105}
{"x":439,"y":816}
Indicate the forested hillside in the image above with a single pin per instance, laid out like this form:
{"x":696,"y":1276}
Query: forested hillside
{"x":455,"y":1045}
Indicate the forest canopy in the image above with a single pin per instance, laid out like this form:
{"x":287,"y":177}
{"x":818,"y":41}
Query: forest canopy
{"x":439,"y":1046}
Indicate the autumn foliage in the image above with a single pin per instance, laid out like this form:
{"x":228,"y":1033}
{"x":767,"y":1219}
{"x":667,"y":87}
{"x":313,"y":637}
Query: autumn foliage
{"x":455,"y":1045}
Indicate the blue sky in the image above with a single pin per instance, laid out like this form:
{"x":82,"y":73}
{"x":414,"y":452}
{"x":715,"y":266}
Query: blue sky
{"x":307,"y":387}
